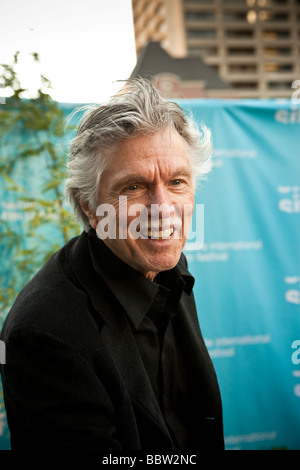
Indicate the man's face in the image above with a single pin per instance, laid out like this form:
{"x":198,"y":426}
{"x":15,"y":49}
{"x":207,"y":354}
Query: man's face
{"x":152,"y":171}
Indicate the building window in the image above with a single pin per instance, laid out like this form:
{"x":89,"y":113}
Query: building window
{"x":199,"y":16}
{"x":201,"y":33}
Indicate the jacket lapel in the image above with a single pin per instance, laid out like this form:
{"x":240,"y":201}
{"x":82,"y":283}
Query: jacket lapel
{"x":119,"y":339}
{"x":205,"y":389}
{"x":117,"y":336}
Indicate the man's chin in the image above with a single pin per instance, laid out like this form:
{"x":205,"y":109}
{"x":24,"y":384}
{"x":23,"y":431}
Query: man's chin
{"x":162,"y":263}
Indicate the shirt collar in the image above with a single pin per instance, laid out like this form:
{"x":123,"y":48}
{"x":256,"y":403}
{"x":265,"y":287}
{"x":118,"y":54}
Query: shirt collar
{"x":134,"y":291}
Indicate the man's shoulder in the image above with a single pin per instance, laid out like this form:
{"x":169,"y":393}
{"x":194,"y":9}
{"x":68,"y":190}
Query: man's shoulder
{"x":52,"y":293}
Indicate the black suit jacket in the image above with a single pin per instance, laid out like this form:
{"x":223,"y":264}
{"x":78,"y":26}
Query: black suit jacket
{"x":73,"y":377}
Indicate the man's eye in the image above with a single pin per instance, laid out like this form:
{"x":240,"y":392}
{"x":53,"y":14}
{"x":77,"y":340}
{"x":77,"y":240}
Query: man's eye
{"x":176,"y":182}
{"x":133,"y":187}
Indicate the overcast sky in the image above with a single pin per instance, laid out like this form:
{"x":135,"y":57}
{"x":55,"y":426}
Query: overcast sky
{"x":84,"y":46}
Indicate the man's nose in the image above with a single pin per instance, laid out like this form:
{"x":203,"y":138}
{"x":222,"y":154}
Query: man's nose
{"x":161,"y":201}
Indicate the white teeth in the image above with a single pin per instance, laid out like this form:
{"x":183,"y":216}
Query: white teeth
{"x":160,"y":234}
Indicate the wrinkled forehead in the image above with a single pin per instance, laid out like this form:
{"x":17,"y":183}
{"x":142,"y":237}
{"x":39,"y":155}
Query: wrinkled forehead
{"x":146,"y":158}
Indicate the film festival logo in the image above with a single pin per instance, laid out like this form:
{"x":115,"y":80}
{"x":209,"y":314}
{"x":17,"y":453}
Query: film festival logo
{"x":296,"y":353}
{"x":296,"y":361}
{"x":291,"y":116}
{"x":161,"y":222}
{"x":290,"y":199}
{"x":296,"y":93}
{"x":292,"y":295}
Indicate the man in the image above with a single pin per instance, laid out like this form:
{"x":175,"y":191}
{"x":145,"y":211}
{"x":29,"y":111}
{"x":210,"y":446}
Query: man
{"x":103,"y":346}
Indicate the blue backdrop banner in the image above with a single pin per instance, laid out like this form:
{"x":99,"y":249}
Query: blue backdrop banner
{"x":247,"y":269}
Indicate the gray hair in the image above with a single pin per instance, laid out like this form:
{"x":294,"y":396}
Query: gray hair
{"x":137,"y":109}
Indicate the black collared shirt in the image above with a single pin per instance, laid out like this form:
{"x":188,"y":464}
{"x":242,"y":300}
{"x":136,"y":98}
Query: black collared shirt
{"x":151,"y":308}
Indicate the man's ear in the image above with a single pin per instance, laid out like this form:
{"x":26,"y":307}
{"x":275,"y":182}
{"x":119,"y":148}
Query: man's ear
{"x":89,"y":213}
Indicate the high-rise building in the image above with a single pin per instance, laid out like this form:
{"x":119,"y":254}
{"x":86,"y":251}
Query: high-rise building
{"x":254,"y":45}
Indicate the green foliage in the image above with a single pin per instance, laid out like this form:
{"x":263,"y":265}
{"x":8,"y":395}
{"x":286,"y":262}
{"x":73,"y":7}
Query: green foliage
{"x":32,"y":133}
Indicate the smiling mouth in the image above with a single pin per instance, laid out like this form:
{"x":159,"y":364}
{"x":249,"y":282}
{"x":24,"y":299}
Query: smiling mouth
{"x":160,"y":234}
